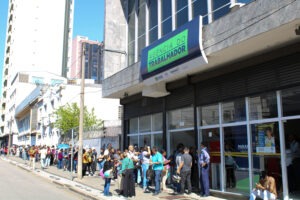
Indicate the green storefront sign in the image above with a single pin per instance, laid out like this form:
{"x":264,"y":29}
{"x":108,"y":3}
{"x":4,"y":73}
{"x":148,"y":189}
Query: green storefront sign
{"x":169,"y":51}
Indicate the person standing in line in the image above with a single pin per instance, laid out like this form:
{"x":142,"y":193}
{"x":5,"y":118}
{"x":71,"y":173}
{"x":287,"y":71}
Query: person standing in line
{"x":85,"y":161}
{"x":177,"y":162}
{"x":145,"y":158}
{"x":48,"y":156}
{"x":157,"y":162}
{"x":94,"y":161}
{"x":43,"y":157}
{"x":165,"y":171}
{"x":108,"y":166}
{"x":128,"y":181}
{"x":184,"y":170}
{"x":204,"y":161}
{"x":60,"y":159}
{"x":32,"y":152}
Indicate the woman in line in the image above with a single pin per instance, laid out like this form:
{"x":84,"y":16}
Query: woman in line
{"x":128,"y":181}
{"x":108,"y":169}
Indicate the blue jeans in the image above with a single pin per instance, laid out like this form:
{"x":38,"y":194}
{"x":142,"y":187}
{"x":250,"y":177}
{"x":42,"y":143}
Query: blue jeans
{"x":106,"y":186}
{"x":145,"y":167}
{"x":157,"y":180}
{"x":75,"y":165}
{"x":59,"y":164}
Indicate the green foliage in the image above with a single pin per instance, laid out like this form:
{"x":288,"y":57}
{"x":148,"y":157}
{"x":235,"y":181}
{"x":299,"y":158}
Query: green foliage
{"x":68,"y":118}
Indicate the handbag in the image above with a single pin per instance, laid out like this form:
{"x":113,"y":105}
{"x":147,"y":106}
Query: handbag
{"x":108,"y":173}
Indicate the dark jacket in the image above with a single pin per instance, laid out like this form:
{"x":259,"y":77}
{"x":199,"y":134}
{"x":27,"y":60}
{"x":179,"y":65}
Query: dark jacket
{"x":108,"y":165}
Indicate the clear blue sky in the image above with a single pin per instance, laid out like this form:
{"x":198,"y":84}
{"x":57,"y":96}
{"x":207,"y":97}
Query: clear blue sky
{"x":88,"y":21}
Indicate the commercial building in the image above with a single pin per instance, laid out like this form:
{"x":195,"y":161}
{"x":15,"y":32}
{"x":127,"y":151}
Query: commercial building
{"x":93,"y":59}
{"x":230,"y":79}
{"x":38,"y":39}
{"x":35,"y":114}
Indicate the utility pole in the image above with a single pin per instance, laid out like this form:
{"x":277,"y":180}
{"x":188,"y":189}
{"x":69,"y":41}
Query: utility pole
{"x":79,"y":171}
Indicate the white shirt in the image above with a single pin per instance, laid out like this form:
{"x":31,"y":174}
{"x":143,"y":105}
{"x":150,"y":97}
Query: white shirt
{"x":43,"y":153}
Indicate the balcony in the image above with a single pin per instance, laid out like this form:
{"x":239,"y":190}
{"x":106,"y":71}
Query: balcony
{"x":8,"y":39}
{"x":8,"y":49}
{"x":7,"y":60}
{"x":10,"y":28}
{"x":11,"y":7}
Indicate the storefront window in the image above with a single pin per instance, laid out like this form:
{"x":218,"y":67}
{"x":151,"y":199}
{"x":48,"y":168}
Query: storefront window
{"x":181,"y":118}
{"x":209,"y":115}
{"x":200,"y":8}
{"x":133,"y":140}
{"x":291,"y":101}
{"x":166,"y":16}
{"x":144,"y":140}
{"x":158,"y":141}
{"x":211,"y":139}
{"x":263,"y":106}
{"x":133,"y":126}
{"x":266,"y":152}
{"x":234,"y":111}
{"x":157,"y":122}
{"x":236,"y":159}
{"x":181,"y":12}
{"x":145,"y":124}
{"x":177,"y":138}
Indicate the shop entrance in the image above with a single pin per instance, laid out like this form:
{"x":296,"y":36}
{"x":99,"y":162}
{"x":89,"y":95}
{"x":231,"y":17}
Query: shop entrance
{"x":211,"y":138}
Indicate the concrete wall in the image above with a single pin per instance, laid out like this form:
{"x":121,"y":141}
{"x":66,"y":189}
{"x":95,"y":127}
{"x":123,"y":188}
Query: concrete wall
{"x":114,"y":36}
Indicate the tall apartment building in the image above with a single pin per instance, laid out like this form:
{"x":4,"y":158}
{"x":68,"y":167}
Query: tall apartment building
{"x":225,"y":73}
{"x":38,"y":39}
{"x":93,"y":59}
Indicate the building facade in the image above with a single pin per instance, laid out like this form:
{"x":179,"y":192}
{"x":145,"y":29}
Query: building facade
{"x":93,"y":59}
{"x":36,"y":41}
{"x":229,"y":79}
{"x":35,"y":115}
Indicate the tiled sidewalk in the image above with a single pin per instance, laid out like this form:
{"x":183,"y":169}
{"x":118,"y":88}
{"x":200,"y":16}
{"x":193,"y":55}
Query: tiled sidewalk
{"x":97,"y":183}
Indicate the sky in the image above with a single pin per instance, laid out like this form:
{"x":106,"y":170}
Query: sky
{"x":88,"y":21}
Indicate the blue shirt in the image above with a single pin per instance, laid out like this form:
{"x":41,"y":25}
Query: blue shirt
{"x":204,"y":156}
{"x":158,"y":158}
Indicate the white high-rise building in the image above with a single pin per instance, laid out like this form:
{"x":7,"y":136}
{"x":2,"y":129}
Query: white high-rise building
{"x":38,"y":39}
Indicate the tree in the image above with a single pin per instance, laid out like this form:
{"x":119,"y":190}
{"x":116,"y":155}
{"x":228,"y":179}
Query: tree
{"x":67,"y":117}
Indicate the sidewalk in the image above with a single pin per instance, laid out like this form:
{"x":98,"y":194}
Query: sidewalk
{"x":92,"y":186}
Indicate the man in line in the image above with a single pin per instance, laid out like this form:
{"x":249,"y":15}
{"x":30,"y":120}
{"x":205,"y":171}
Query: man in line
{"x":184,"y":170}
{"x":43,"y":157}
{"x":157,"y":162}
{"x":204,"y":160}
{"x":32,"y":153}
{"x":265,"y":189}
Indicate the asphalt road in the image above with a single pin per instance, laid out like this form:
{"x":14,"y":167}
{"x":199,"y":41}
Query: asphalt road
{"x":19,"y":184}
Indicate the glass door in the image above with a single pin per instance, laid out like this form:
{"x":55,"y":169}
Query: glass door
{"x":211,"y":138}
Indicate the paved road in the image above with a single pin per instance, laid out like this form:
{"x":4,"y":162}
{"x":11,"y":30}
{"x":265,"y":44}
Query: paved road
{"x":18,"y":184}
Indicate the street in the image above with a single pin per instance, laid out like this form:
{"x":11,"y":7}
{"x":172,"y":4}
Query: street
{"x":18,"y":184}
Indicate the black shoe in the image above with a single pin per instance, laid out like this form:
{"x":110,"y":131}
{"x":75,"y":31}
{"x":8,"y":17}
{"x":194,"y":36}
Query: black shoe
{"x":156,"y":193}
